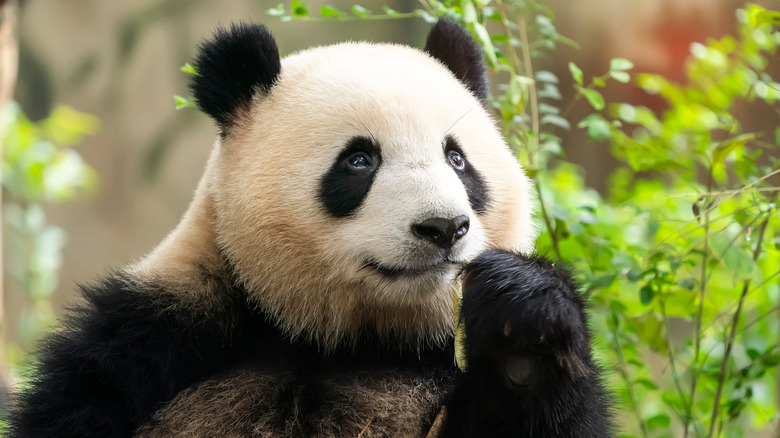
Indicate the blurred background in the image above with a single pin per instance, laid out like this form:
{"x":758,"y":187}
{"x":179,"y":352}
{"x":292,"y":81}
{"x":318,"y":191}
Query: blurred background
{"x":119,"y":62}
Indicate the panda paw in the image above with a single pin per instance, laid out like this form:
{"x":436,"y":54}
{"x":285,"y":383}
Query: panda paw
{"x":524,"y":320}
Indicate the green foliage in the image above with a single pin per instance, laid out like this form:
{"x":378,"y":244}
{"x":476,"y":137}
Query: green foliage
{"x":183,"y":102}
{"x":186,"y":102}
{"x":299,"y":10}
{"x":38,"y":163}
{"x":681,"y":261}
{"x":39,"y":167}
{"x":189,"y":69}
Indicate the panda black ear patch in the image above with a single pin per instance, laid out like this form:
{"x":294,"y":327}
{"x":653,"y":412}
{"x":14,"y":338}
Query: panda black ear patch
{"x":456,"y":49}
{"x":231,"y":67}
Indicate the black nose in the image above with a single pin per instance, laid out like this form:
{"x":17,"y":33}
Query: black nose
{"x":442,"y":232}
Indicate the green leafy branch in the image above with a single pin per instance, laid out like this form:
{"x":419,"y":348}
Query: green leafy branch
{"x":40,"y":166}
{"x":299,"y":10}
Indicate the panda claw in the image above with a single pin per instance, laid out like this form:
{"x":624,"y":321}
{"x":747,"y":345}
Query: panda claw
{"x":507,"y":329}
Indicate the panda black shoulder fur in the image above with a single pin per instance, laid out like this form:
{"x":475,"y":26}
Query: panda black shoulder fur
{"x":308,"y":289}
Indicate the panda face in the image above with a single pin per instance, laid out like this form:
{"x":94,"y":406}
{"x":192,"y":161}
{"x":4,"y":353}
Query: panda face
{"x":400,"y":195}
{"x":406,"y":224}
{"x":423,"y":206}
{"x":349,"y":193}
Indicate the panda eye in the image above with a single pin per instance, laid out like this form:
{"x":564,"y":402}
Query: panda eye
{"x":358,"y":162}
{"x":456,"y":160}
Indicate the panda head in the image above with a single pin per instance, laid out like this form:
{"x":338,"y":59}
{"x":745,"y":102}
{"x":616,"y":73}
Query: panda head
{"x":350,"y":183}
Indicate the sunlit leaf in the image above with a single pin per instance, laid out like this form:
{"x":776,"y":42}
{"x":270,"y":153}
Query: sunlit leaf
{"x":647,"y":383}
{"x":299,"y":8}
{"x":552,"y":119}
{"x":427,"y":17}
{"x":183,"y":102}
{"x":728,"y":146}
{"x":469,"y":12}
{"x":189,"y":69}
{"x":360,"y":11}
{"x":620,"y":64}
{"x":330,"y":11}
{"x":598,"y":128}
{"x":549,"y":91}
{"x":391,"y":12}
{"x":595,"y":98}
{"x":546,"y":76}
{"x":646,"y":294}
{"x":660,"y":421}
{"x":487,"y":45}
{"x":576,"y":73}
{"x":68,"y":127}
{"x":620,"y":76}
{"x":278,"y":11}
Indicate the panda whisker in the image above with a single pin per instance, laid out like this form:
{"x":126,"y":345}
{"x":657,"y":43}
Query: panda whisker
{"x":456,"y":121}
{"x":370,"y":134}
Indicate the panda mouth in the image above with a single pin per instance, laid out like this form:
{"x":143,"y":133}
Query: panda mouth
{"x":402,"y":271}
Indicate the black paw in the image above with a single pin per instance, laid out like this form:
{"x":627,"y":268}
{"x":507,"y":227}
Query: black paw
{"x":524,"y":319}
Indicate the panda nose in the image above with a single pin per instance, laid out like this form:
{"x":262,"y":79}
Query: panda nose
{"x":442,"y":232}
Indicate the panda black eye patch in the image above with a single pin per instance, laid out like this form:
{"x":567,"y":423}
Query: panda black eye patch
{"x":475,"y":185}
{"x":346,"y":184}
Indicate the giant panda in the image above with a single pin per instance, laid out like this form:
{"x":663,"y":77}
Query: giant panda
{"x":308,"y":290}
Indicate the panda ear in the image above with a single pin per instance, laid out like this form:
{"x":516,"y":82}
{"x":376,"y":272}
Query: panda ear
{"x":231,"y":67}
{"x":456,"y":49}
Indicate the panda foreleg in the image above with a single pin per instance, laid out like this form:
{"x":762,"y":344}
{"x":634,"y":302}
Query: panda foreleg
{"x":530,"y":369}
{"x":118,"y":358}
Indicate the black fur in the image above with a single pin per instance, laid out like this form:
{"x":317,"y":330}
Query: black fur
{"x":530,"y":371}
{"x":456,"y":49}
{"x":134,"y":346}
{"x":231,"y":67}
{"x":472,"y":180}
{"x":343,"y":190}
{"x":120,"y":357}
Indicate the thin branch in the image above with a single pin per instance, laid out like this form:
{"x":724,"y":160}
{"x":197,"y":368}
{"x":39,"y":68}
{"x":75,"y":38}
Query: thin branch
{"x":724,"y":192}
{"x":758,"y":319}
{"x":377,"y":17}
{"x":675,"y":376}
{"x":517,"y":70}
{"x":733,"y":333}
{"x":728,"y":308}
{"x":700,"y":310}
{"x":547,"y":221}
{"x":714,"y":233}
{"x":748,"y":325}
{"x":526,"y":68}
{"x":743,"y":232}
{"x":629,"y":387}
{"x":573,"y":101}
{"x":365,"y":428}
{"x":697,"y":228}
{"x":426,"y":5}
{"x":529,"y":72}
{"x":514,"y":59}
{"x":578,"y":96}
{"x":715,"y":205}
